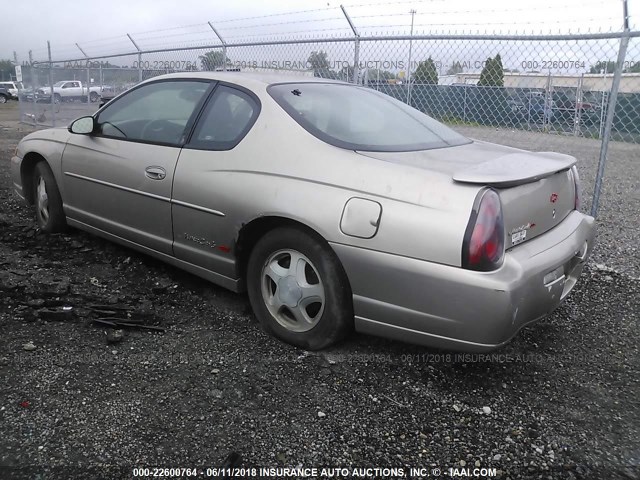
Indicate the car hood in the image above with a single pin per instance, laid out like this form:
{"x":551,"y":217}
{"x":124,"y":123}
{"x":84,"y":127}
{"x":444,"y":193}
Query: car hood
{"x":482,"y":163}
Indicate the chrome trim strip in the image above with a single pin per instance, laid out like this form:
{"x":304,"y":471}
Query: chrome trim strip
{"x":119,"y":187}
{"x":146,"y":194}
{"x":197,"y":207}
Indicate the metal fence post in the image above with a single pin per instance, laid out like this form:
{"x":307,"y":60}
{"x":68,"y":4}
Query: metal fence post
{"x":578,"y":108}
{"x":21,"y":97}
{"x":88,"y":73}
{"x":409,"y":79}
{"x":356,"y":46}
{"x":52,"y":100}
{"x":33,"y":87}
{"x":464,"y":105}
{"x":547,"y":106}
{"x":139,"y":57}
{"x":611,"y":110}
{"x":224,"y":46}
{"x":88,"y":84}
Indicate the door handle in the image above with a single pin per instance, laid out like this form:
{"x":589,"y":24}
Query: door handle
{"x":155,"y":173}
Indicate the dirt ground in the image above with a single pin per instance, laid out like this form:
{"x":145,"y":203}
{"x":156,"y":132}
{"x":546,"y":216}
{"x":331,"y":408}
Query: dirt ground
{"x":78,"y":402}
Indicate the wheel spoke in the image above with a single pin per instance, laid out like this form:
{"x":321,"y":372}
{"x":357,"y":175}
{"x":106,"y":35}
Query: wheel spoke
{"x":297,"y":265}
{"x":275,"y":302}
{"x":301,"y":316}
{"x":275,"y":271}
{"x":42,"y":199}
{"x":311,"y":294}
{"x":44,"y":213}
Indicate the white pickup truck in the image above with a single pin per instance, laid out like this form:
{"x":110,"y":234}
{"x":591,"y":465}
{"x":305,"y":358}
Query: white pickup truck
{"x":69,"y":90}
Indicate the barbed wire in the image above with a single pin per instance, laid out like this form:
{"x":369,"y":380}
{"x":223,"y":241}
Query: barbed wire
{"x":193,"y":34}
{"x":486,"y":10}
{"x":484,"y":24}
{"x":502,"y":9}
{"x":277,"y":14}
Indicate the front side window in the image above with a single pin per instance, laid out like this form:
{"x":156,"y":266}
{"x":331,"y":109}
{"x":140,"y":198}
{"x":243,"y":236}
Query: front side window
{"x":226,"y":120}
{"x":156,"y":112}
{"x":358,"y":118}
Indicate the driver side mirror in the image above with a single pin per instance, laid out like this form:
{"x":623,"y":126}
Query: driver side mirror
{"x":83,"y":126}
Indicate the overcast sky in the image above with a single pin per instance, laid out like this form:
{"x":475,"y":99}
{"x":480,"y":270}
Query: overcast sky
{"x":100,"y":26}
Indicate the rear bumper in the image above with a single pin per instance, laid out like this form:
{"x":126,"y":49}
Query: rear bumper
{"x":448,"y":307}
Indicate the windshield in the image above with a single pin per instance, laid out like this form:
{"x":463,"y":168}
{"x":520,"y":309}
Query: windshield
{"x":358,"y":118}
{"x":59,"y":84}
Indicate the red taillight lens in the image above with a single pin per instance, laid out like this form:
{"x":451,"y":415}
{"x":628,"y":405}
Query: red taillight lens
{"x":576,"y":183}
{"x":483,"y":246}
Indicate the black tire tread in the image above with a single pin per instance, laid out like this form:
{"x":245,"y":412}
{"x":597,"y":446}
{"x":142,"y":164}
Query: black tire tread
{"x":57,"y":221}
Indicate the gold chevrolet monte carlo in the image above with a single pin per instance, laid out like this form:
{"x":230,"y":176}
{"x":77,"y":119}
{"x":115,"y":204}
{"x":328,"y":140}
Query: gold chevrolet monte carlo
{"x":335,"y":206}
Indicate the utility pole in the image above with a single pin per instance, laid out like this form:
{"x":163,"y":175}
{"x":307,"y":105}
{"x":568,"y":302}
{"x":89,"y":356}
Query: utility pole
{"x":413,"y":13}
{"x":15,"y":64}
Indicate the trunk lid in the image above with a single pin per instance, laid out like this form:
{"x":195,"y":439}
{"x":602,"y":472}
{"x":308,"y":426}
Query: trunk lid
{"x":537,"y":190}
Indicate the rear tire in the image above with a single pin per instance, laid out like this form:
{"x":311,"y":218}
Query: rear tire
{"x":94,"y":97}
{"x":57,"y":98}
{"x":48,"y":202}
{"x":298,"y":289}
{"x":3,"y":99}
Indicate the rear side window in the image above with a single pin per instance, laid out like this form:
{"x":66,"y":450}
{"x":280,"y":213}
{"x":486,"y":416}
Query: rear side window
{"x":358,"y":118}
{"x":226,"y":119}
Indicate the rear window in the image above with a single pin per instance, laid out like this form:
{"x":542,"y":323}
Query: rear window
{"x":358,"y":118}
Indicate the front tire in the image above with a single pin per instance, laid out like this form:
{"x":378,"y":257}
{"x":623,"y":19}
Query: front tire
{"x":49,"y":213}
{"x":298,"y":289}
{"x":57,"y":98}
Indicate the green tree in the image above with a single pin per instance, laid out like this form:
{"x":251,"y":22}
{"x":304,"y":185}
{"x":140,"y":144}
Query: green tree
{"x":346,"y":73}
{"x":492,"y":74}
{"x":426,"y":73}
{"x":318,"y":61}
{"x":455,"y":68}
{"x":599,"y":67}
{"x":383,"y":75}
{"x":213,"y":60}
{"x":635,"y":68}
{"x":6,"y":69}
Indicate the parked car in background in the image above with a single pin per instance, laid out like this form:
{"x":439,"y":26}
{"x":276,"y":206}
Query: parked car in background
{"x":569,"y":110}
{"x":533,"y":107}
{"x":28,"y":95}
{"x":14,"y":88}
{"x":70,"y":90}
{"x":335,"y":206}
{"x":4,"y":95}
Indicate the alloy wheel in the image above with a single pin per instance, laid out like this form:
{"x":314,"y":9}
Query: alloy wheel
{"x":292,"y":290}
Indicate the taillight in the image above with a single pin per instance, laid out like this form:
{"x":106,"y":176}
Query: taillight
{"x":483,"y":245}
{"x":576,"y":183}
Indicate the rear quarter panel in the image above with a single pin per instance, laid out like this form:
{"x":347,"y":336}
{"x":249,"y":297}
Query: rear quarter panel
{"x":279,"y":169}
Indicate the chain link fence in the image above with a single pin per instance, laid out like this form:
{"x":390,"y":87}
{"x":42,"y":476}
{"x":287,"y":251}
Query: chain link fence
{"x":539,"y":85}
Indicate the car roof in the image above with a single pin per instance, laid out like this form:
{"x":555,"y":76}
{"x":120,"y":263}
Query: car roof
{"x":250,"y":79}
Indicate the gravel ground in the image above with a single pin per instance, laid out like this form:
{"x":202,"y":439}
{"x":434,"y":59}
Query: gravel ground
{"x":562,"y":398}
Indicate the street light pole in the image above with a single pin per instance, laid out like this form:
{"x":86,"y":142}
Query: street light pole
{"x":413,"y":13}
